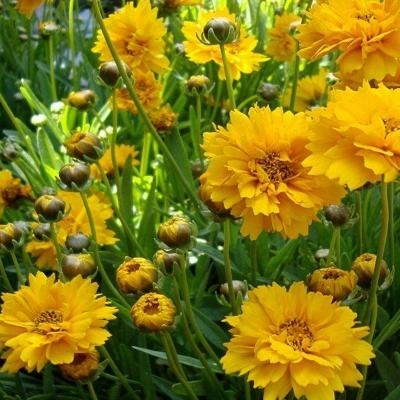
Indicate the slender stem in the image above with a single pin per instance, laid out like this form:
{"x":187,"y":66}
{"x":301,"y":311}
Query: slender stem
{"x":5,"y":277}
{"x":372,"y":301}
{"x":118,"y":373}
{"x":359,"y":222}
{"x":228,"y":77}
{"x":17,"y":268}
{"x":184,"y":287}
{"x":145,"y":154}
{"x":174,"y":363}
{"x":51,"y":68}
{"x":332,"y":246}
{"x":337,"y":251}
{"x":228,"y":270}
{"x":71,"y":38}
{"x":91,"y":391}
{"x":97,"y":258}
{"x":253,"y":262}
{"x":53,"y":233}
{"x":246,"y":101}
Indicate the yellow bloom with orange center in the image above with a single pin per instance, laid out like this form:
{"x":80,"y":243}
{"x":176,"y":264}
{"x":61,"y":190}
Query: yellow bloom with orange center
{"x":296,"y":340}
{"x":240,"y":55}
{"x":163,"y":119}
{"x":27,"y":7}
{"x":256,"y":171}
{"x":366,"y":32}
{"x":122,"y":152}
{"x":11,"y":191}
{"x":281,"y":44}
{"x":310,"y":90}
{"x":147,"y":90}
{"x":137,"y":35}
{"x":356,"y":137}
{"x":84,"y":366}
{"x":76,"y":221}
{"x":51,"y":321}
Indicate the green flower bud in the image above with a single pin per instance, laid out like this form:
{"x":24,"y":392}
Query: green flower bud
{"x":177,"y":233}
{"x":77,"y":243}
{"x":9,"y":235}
{"x":75,"y":174}
{"x":42,"y":231}
{"x":268,"y":91}
{"x":51,"y":208}
{"x":197,"y":85}
{"x":78,"y":264}
{"x":338,"y":215}
{"x":109,"y":73}
{"x":81,"y":100}
{"x":84,"y":146}
{"x":219,"y":31}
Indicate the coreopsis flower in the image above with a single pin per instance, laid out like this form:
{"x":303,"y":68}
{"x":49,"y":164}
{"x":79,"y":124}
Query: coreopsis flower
{"x":310,"y":90}
{"x":51,"y":321}
{"x":122,"y":152}
{"x":163,"y":119}
{"x":153,"y":312}
{"x":281,"y":43}
{"x":240,"y":55}
{"x":356,"y":137}
{"x":296,"y":340}
{"x":136,"y":33}
{"x":333,"y":281}
{"x":177,"y":233}
{"x":136,"y":275}
{"x":75,"y":222}
{"x":365,"y":32}
{"x":27,"y":7}
{"x":83,"y":366}
{"x":256,"y":171}
{"x":147,"y":89}
{"x":11,"y":190}
{"x":364,"y":267}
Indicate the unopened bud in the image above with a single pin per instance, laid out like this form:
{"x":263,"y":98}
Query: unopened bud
{"x":110,"y":74}
{"x":338,"y":215}
{"x":81,"y":100}
{"x":84,"y":146}
{"x":219,"y":31}
{"x":51,"y":208}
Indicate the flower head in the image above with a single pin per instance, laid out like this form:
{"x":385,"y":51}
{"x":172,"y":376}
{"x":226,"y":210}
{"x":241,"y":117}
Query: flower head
{"x":51,"y":321}
{"x":281,"y":44}
{"x":136,"y":33}
{"x":296,"y":340}
{"x":364,"y":267}
{"x":163,"y":119}
{"x":367,"y":33}
{"x":356,"y":137}
{"x":240,"y":55}
{"x":27,"y":7}
{"x":84,"y":366}
{"x":256,"y":171}
{"x":153,"y":312}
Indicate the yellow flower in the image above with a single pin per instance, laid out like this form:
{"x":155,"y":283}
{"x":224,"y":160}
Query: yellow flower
{"x":366,"y":32}
{"x":364,"y":267}
{"x":240,"y":55}
{"x":122,"y":152}
{"x":356,"y":137}
{"x":296,"y":340}
{"x":11,"y":191}
{"x":180,"y":3}
{"x":51,"y":321}
{"x":84,"y":365}
{"x":309,"y":91}
{"x":163,"y":119}
{"x":281,"y":44}
{"x":136,"y":33}
{"x":255,"y":170}
{"x":333,"y":281}
{"x":146,"y":88}
{"x":153,"y":312}
{"x":27,"y":7}
{"x":76,"y":221}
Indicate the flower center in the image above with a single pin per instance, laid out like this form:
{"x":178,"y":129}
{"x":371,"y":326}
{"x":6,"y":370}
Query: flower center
{"x":365,"y":16}
{"x":151,"y":307}
{"x":298,"y":334}
{"x":276,"y":169}
{"x":391,"y":125}
{"x":333,"y":273}
{"x":48,"y":321}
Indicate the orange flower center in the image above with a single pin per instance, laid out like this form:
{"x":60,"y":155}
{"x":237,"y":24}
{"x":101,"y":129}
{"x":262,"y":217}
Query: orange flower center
{"x":391,"y":125}
{"x":151,"y":307}
{"x":276,"y":169}
{"x":132,"y":266}
{"x":365,"y":16}
{"x":298,"y":334}
{"x":48,"y":321}
{"x":333,"y":273}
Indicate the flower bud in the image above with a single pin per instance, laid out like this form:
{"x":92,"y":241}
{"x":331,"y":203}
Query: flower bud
{"x":78,"y":264}
{"x":83,"y":367}
{"x":77,"y":243}
{"x":332,"y":281}
{"x":136,"y":275}
{"x":84,"y":146}
{"x":153,"y":312}
{"x":51,"y":208}
{"x":197,"y":85}
{"x":167,"y":262}
{"x":42,"y":231}
{"x":48,"y":28}
{"x":75,"y":174}
{"x":238,"y":287}
{"x":321,"y":255}
{"x":364,"y":267}
{"x":48,"y":190}
{"x":338,"y":215}
{"x":9,"y":151}
{"x":9,"y":234}
{"x":219,"y":31}
{"x":81,"y":100}
{"x":268,"y":91}
{"x":177,"y":232}
{"x":109,"y":73}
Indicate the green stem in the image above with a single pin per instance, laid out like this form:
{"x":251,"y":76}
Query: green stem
{"x":228,"y":77}
{"x":174,"y":363}
{"x":253,"y":262}
{"x":71,"y":31}
{"x":97,"y":258}
{"x":17,"y":268}
{"x":184,"y":287}
{"x":359,"y":224}
{"x":332,"y":246}
{"x":248,"y":100}
{"x":227,"y":266}
{"x":51,"y":68}
{"x":4,"y":276}
{"x":371,"y":312}
{"x":91,"y":391}
{"x":198,"y":131}
{"x":53,"y":234}
{"x":145,"y":154}
{"x":118,"y":373}
{"x":142,"y":113}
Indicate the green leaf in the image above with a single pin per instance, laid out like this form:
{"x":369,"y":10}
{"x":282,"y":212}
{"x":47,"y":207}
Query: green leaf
{"x":387,"y":370}
{"x":388,"y":331}
{"x":197,"y":387}
{"x":47,"y":154}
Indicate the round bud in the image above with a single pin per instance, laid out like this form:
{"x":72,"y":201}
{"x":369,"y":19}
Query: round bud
{"x":51,"y":208}
{"x":77,"y":173}
{"x":268,"y":91}
{"x":77,"y":242}
{"x":177,"y":232}
{"x":197,"y":84}
{"x":42,"y":230}
{"x":238,"y":286}
{"x":78,"y":264}
{"x":81,"y":100}
{"x":109,"y":73}
{"x":8,"y":234}
{"x":338,"y":215}
{"x":83,"y":367}
{"x":83,"y":145}
{"x":220,"y":31}
{"x":364,"y":267}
